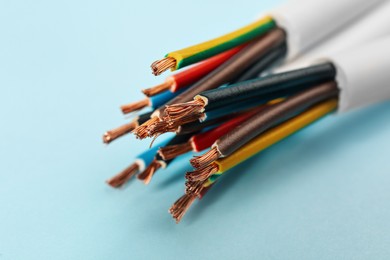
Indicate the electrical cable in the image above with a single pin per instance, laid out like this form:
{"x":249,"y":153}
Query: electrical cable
{"x":261,"y":122}
{"x":115,"y":133}
{"x":181,"y":58}
{"x":264,"y":88}
{"x":260,"y":143}
{"x":191,"y":75}
{"x":139,"y":165}
{"x":223,"y":74}
{"x":158,"y":162}
{"x":204,"y":140}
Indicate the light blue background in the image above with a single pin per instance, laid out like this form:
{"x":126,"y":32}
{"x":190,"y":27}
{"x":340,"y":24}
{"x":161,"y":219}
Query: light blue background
{"x":66,"y":66}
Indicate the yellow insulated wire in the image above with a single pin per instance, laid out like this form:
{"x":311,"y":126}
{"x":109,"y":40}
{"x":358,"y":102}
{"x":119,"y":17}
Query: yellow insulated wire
{"x":209,"y":48}
{"x":273,"y":136}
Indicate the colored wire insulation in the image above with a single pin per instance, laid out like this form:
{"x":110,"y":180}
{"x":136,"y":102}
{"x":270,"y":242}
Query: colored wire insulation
{"x":204,"y":140}
{"x":265,"y":88}
{"x":185,"y":78}
{"x":272,"y":137}
{"x":181,"y":58}
{"x":157,"y":161}
{"x":115,"y":133}
{"x":263,"y":64}
{"x":223,"y":74}
{"x":141,"y":161}
{"x":261,"y":122}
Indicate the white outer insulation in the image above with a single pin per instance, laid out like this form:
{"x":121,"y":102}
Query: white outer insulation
{"x":372,"y":26}
{"x":307,"y":22}
{"x":363,"y":75}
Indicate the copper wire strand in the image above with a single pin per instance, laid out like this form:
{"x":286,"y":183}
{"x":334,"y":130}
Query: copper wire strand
{"x":177,"y":111}
{"x":149,"y":92}
{"x":203,"y":173}
{"x":147,"y":175}
{"x":115,"y":133}
{"x":160,"y":127}
{"x":128,"y":108}
{"x":194,"y":187}
{"x":124,"y":176}
{"x":162,"y":65}
{"x":183,"y":120}
{"x":172,"y":151}
{"x":181,"y":206}
{"x":205,"y":159}
{"x":141,"y":132}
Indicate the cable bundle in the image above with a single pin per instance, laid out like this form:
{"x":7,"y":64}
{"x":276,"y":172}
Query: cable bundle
{"x":222,"y":106}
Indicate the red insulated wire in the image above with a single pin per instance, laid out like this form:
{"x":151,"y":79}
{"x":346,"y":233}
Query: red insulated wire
{"x":187,"y":77}
{"x":205,"y":140}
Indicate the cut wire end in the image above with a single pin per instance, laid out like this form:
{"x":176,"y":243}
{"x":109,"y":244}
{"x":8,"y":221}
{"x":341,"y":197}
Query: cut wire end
{"x":123,"y":177}
{"x":173,"y":151}
{"x":135,"y":106}
{"x":115,"y":133}
{"x":176,"y":112}
{"x":162,"y":65}
{"x":149,"y":92}
{"x":203,"y":173}
{"x":180,"y":207}
{"x":141,"y":132}
{"x":147,"y":174}
{"x":160,"y":127}
{"x":201,"y":161}
{"x":194,"y":187}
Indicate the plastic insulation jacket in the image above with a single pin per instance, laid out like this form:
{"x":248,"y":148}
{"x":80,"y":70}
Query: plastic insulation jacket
{"x":363,"y":75}
{"x":143,"y":118}
{"x":191,"y":75}
{"x":273,"y":136}
{"x":259,"y":123}
{"x":147,"y":156}
{"x":264,"y":63}
{"x":231,"y":68}
{"x":162,"y":98}
{"x":205,"y":140}
{"x":370,"y":27}
{"x":197,"y":126}
{"x":178,"y":139}
{"x":298,"y":79}
{"x":307,"y":22}
{"x":210,"y":48}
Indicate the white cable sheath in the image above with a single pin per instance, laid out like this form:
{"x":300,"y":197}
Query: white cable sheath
{"x":307,"y":22}
{"x":373,"y":25}
{"x":363,"y":74}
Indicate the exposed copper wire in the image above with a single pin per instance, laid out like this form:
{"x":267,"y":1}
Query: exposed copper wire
{"x":124,"y":176}
{"x":205,"y":159}
{"x":149,"y":92}
{"x":172,"y":151}
{"x":115,"y":133}
{"x":128,"y":108}
{"x":180,"y":207}
{"x":141,"y":131}
{"x":147,"y":174}
{"x":203,"y":173}
{"x":177,"y":111}
{"x":194,"y":187}
{"x":160,"y":127}
{"x":162,"y":65}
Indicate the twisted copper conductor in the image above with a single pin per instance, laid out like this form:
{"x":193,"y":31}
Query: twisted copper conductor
{"x":194,"y":187}
{"x":176,"y":112}
{"x":172,"y":151}
{"x":124,"y":176}
{"x":162,"y":65}
{"x":141,"y":132}
{"x":203,"y":173}
{"x":205,"y":159}
{"x":147,"y":174}
{"x":160,"y":127}
{"x":181,"y":206}
{"x":149,"y":92}
{"x":128,"y":108}
{"x":115,"y":133}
